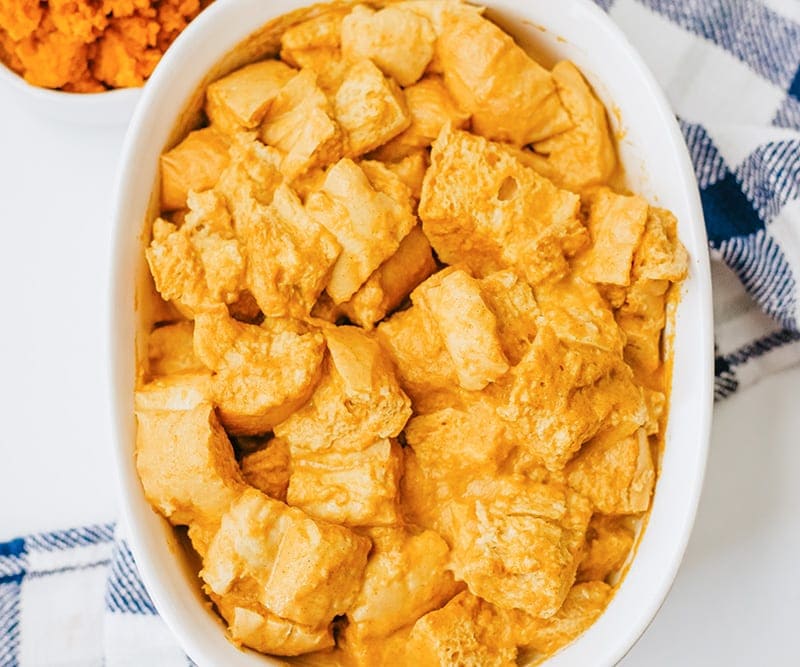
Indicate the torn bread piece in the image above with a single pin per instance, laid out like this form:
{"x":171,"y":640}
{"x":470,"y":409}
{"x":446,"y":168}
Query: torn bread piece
{"x":194,"y":164}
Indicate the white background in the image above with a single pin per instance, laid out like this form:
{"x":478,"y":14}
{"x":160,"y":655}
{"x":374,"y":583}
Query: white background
{"x":736,"y":600}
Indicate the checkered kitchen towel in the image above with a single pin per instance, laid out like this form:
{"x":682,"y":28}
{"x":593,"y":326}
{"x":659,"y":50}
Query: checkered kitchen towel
{"x":731,"y":69}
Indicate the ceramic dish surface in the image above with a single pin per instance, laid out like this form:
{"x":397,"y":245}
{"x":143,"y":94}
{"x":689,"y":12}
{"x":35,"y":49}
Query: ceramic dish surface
{"x":657,"y":166}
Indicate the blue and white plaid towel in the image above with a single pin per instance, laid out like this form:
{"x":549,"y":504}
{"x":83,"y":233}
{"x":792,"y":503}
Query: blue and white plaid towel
{"x":731,"y":69}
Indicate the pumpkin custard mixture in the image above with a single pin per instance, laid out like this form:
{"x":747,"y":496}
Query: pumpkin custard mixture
{"x":410,"y":397}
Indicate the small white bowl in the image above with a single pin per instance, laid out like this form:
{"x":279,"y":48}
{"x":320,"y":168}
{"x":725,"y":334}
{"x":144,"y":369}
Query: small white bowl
{"x":657,"y":165}
{"x":112,"y":107}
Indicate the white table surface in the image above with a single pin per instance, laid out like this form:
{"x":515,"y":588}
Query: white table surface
{"x":736,"y":600}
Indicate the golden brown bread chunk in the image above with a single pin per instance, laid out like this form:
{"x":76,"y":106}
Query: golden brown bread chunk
{"x":299,"y":569}
{"x":510,"y":96}
{"x":411,"y":170}
{"x":268,"y":469}
{"x":357,"y":402}
{"x":182,"y":391}
{"x":200,"y":264}
{"x":615,"y":472}
{"x":170,"y":350}
{"x":300,"y":124}
{"x":370,"y":108}
{"x":262,"y":374}
{"x":397,"y":40}
{"x":466,"y":631}
{"x":194,"y":164}
{"x":240,"y":100}
{"x":367,"y":220}
{"x":583,"y":155}
{"x":351,"y":488}
{"x":187,"y":467}
{"x":609,"y":540}
{"x":406,"y":576}
{"x":482,"y":207}
{"x":517,"y":542}
{"x":430,"y":106}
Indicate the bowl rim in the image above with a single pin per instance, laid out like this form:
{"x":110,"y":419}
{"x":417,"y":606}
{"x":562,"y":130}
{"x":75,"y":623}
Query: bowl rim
{"x":703,"y":377}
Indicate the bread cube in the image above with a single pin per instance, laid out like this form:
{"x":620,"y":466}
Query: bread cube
{"x":299,"y":123}
{"x":290,"y":255}
{"x":406,"y":576}
{"x":251,"y":177}
{"x":511,"y":300}
{"x":262,"y":373}
{"x":201,"y":263}
{"x":583,"y":605}
{"x":411,"y":170}
{"x":430,"y":106}
{"x":360,"y":651}
{"x":170,"y":350}
{"x":616,"y":224}
{"x":660,"y":255}
{"x":609,"y":540}
{"x":642,"y":318}
{"x":517,"y":542}
{"x":398,"y":41}
{"x":187,"y":466}
{"x":367,"y":222}
{"x":241,"y":99}
{"x":357,"y":402}
{"x":268,"y":469}
{"x":578,"y":314}
{"x":583,"y":155}
{"x":300,"y":570}
{"x":615,"y":472}
{"x":466,"y":631}
{"x":549,"y":406}
{"x":194,"y":164}
{"x":481,"y":207}
{"x":182,"y":391}
{"x":251,"y":624}
{"x":656,"y":402}
{"x":467,"y":326}
{"x":352,"y":488}
{"x":510,"y":96}
{"x":369,"y":108}
{"x":392,"y":281}
{"x":315,"y":44}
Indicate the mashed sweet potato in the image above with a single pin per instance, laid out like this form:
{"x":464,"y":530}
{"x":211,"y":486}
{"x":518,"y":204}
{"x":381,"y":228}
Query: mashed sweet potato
{"x":88,"y":46}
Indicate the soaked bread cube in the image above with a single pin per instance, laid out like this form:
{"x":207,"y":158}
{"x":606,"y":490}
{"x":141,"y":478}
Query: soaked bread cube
{"x":616,"y":224}
{"x":369,"y":108}
{"x":609,"y":540}
{"x":364,"y":651}
{"x":315,"y":44}
{"x":194,"y":164}
{"x":517,"y":543}
{"x":510,"y":96}
{"x":583,"y":155}
{"x":262,"y":373}
{"x":642,"y":318}
{"x":170,"y":350}
{"x":241,"y":99}
{"x":251,"y":177}
{"x":398,"y":41}
{"x":406,"y":576}
{"x":187,"y":466}
{"x":251,"y":624}
{"x":201,"y":263}
{"x":430,"y":106}
{"x":268,"y":469}
{"x":661,"y":255}
{"x":301,"y":570}
{"x":290,"y":255}
{"x":367,"y":222}
{"x":411,"y":170}
{"x":481,"y":207}
{"x":467,"y":327}
{"x":615,"y":472}
{"x":512,"y":301}
{"x":182,"y":391}
{"x":467,"y":632}
{"x":352,"y":488}
{"x":392,"y":281}
{"x":299,"y":123}
{"x":583,"y":605}
{"x":358,"y":400}
{"x":549,"y":407}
